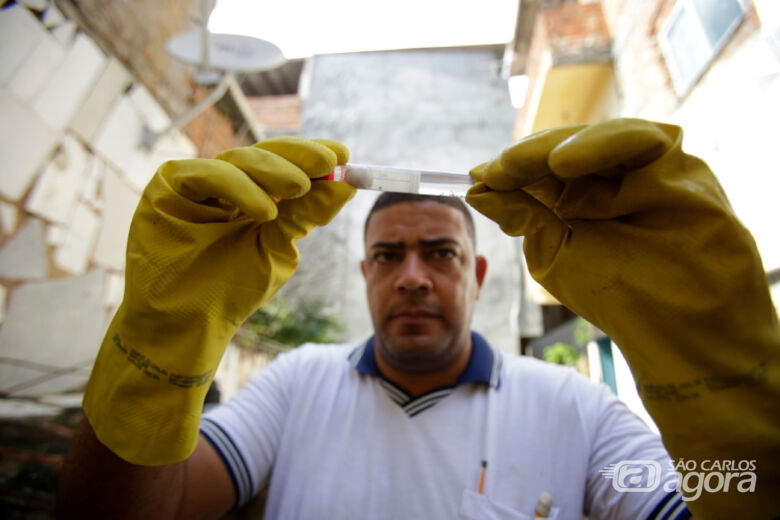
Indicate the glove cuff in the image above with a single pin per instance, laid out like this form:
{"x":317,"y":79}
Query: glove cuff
{"x":145,"y":395}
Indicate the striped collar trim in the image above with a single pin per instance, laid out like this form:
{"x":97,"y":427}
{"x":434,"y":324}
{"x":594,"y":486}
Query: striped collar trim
{"x":484,"y":367}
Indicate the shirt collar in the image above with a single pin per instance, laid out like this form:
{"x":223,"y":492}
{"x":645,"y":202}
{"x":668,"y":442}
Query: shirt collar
{"x":483,"y":367}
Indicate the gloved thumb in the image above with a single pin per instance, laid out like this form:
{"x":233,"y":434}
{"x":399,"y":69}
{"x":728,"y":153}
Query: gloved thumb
{"x":518,"y":213}
{"x":296,"y":219}
{"x":316,"y":208}
{"x":525,"y":162}
{"x":325,"y":198}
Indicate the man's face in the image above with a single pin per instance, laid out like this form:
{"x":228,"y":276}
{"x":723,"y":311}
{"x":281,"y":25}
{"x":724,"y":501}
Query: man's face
{"x":422,"y":279}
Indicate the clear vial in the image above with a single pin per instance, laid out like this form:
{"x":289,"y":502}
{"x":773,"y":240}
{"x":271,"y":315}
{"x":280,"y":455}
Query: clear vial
{"x":385,"y":178}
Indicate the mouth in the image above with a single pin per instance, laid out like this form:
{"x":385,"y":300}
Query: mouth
{"x":414,"y":313}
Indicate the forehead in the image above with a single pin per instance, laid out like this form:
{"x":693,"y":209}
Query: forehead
{"x":411,"y":221}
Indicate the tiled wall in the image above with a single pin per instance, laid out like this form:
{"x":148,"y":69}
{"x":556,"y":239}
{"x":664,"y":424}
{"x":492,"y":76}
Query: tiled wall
{"x":71,"y":173}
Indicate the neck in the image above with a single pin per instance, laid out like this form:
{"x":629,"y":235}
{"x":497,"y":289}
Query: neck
{"x":418,"y":384}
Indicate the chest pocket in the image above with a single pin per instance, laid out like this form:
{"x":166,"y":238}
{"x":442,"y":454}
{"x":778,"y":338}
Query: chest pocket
{"x":474,"y":506}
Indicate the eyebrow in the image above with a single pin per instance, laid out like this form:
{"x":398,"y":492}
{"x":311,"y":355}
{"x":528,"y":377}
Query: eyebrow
{"x":435,"y":242}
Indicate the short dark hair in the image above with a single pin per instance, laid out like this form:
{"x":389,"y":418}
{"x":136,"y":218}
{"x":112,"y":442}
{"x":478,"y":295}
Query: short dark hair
{"x":391,"y":198}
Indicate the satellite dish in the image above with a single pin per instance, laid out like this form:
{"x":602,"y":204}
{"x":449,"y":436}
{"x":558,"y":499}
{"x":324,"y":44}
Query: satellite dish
{"x":218,"y":58}
{"x":229,"y":52}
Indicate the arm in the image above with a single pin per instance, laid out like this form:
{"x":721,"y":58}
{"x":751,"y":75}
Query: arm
{"x":626,"y":454}
{"x":97,"y":483}
{"x":638,"y":237}
{"x":210,"y":241}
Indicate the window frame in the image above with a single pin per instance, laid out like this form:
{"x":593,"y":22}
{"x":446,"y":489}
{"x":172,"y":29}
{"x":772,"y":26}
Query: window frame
{"x":683,"y":85}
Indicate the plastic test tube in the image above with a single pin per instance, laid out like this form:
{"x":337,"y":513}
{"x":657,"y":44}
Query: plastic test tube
{"x":385,"y":178}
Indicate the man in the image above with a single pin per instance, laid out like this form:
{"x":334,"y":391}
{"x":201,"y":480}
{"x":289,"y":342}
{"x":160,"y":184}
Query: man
{"x":425,"y":419}
{"x":416,"y":410}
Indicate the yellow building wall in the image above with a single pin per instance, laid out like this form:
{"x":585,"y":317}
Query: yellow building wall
{"x":580,"y":93}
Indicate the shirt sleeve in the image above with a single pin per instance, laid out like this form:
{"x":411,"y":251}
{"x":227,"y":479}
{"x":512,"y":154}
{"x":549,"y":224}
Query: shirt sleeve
{"x":671,"y":507}
{"x":246,"y":430}
{"x":630,"y":473}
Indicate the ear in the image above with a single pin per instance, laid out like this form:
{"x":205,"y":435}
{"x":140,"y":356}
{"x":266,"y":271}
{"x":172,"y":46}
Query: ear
{"x":363,"y":268}
{"x":480,"y":270}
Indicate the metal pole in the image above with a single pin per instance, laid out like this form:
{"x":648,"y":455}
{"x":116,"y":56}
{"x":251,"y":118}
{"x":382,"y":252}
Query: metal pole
{"x":149,"y":137}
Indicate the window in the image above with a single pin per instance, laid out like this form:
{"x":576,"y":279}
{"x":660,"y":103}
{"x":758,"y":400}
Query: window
{"x":693,"y":34}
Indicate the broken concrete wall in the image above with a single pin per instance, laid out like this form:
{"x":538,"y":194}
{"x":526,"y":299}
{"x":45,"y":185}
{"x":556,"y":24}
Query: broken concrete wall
{"x":71,"y":173}
{"x":445,"y":110}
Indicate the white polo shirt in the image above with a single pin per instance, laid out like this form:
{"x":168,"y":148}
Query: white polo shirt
{"x":334,"y":440}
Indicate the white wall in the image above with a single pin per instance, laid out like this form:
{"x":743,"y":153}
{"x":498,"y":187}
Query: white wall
{"x":438,"y":110}
{"x":71,"y":174}
{"x":730,"y":120}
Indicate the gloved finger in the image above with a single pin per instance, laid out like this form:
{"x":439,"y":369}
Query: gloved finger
{"x":599,"y":198}
{"x":211,"y":181}
{"x":516,"y":212}
{"x":297,"y":217}
{"x":668,"y":188}
{"x":314,"y":158}
{"x":316,"y":208}
{"x":546,"y":190}
{"x":341,"y":151}
{"x":524,"y":162}
{"x":492,"y":175}
{"x":278,"y":177}
{"x":527,"y":160}
{"x":610,"y":148}
{"x":673,"y":189}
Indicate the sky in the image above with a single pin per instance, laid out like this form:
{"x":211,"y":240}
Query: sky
{"x":302,"y":28}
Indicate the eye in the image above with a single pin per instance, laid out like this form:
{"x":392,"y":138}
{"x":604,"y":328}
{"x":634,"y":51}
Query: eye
{"x":383,"y":257}
{"x":443,"y":253}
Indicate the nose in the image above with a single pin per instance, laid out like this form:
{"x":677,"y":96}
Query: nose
{"x":413,"y":275}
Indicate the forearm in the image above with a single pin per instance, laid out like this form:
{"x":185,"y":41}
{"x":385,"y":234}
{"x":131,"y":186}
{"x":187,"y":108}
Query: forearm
{"x":96,"y":483}
{"x":638,"y":237}
{"x":185,"y":294}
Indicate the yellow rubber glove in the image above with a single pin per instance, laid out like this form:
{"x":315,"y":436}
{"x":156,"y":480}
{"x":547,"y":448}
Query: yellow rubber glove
{"x":638,"y":238}
{"x":210,"y":241}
